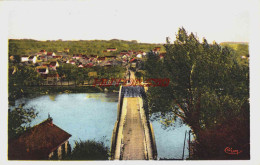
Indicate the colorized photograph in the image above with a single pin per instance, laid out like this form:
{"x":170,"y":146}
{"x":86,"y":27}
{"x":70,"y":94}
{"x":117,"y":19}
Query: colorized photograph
{"x":128,"y":80}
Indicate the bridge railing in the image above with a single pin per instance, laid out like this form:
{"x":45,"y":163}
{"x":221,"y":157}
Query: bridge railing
{"x":116,"y":127}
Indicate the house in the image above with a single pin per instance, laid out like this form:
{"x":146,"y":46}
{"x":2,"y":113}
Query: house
{"x":41,"y":142}
{"x":157,"y":49}
{"x":44,"y":52}
{"x":71,"y":62}
{"x":111,"y":49}
{"x":54,"y":65}
{"x":89,"y":65}
{"x":32,"y":59}
{"x":51,"y":54}
{"x":133,"y":62}
{"x":139,"y":55}
{"x":81,"y":66}
{"x":42,"y":69}
{"x":77,"y":56}
{"x":24,"y":59}
{"x":100,"y":59}
{"x":57,"y":57}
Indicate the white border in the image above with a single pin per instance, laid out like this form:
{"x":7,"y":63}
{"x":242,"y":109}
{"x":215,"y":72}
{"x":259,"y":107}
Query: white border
{"x":254,"y":93}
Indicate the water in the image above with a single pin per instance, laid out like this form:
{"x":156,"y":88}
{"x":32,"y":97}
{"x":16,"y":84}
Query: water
{"x":170,"y":140}
{"x":84,"y":116}
{"x":92,"y":116}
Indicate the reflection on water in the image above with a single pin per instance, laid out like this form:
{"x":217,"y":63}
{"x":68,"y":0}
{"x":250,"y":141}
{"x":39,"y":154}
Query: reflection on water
{"x":104,"y":97}
{"x":93,"y":115}
{"x":170,"y":140}
{"x":52,"y":97}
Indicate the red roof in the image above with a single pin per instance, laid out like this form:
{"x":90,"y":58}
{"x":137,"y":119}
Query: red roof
{"x":89,"y":65}
{"x":49,"y":53}
{"x":38,"y":142}
{"x":101,"y":58}
{"x":133,"y":60}
{"x":52,"y":64}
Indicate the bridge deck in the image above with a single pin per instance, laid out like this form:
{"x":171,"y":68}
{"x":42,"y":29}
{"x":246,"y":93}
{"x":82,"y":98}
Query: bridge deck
{"x":133,"y":132}
{"x":132,"y":137}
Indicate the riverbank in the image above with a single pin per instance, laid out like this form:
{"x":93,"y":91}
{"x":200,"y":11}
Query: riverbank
{"x":34,"y":91}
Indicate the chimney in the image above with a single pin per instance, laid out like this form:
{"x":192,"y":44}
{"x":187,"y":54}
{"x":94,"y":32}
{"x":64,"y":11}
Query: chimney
{"x":50,"y":119}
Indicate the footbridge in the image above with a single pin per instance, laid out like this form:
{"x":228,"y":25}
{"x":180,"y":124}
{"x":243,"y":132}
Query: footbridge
{"x":133,"y":136}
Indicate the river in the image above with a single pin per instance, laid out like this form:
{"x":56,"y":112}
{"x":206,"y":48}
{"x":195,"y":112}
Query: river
{"x":88,"y":116}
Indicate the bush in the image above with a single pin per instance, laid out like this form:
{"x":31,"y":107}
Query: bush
{"x":89,"y":150}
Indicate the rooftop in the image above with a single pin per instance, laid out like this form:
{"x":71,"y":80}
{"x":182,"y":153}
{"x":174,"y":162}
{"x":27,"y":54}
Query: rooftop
{"x":38,"y":142}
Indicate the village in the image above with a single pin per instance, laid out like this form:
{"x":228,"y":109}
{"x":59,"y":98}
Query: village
{"x":46,"y":63}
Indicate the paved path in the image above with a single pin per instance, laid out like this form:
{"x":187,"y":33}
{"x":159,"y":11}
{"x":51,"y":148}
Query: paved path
{"x":133,"y":132}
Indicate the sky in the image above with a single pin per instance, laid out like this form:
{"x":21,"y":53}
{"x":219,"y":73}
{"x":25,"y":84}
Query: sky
{"x":145,"y":21}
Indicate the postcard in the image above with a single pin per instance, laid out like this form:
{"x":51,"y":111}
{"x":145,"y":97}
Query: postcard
{"x":117,"y":81}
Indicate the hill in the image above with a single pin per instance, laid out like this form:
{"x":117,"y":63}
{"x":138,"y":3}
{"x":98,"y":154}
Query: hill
{"x":28,"y":46}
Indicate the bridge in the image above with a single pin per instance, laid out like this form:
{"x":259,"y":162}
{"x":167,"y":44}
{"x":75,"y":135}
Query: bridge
{"x":133,"y":136}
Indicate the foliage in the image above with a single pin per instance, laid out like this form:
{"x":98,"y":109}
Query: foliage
{"x":89,"y":150}
{"x":19,"y":120}
{"x":232,"y":133}
{"x":19,"y":78}
{"x":25,"y":46}
{"x":208,"y":86}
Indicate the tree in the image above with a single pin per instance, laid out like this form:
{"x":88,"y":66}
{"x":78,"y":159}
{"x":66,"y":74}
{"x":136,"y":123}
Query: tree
{"x":61,"y":73}
{"x":207,"y":86}
{"x":19,"y":78}
{"x":19,"y":120}
{"x":67,"y":69}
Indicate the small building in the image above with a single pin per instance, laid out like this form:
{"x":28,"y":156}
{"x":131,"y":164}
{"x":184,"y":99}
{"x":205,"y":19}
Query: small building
{"x":42,"y":69}
{"x":57,"y":57}
{"x":24,"y":59}
{"x":71,"y":62}
{"x":100,"y":59}
{"x":54,"y":63}
{"x":89,"y":65}
{"x":41,"y":142}
{"x":32,"y":59}
{"x":44,"y":52}
{"x":51,"y":54}
{"x":81,"y":66}
{"x":139,"y":56}
{"x":157,"y":49}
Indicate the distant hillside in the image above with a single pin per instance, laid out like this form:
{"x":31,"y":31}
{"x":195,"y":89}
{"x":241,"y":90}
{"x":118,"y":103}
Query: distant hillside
{"x":240,"y":47}
{"x":230,"y":43}
{"x":28,"y":46}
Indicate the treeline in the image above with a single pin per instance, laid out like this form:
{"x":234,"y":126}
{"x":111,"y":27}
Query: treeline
{"x":22,"y":77}
{"x":208,"y":90}
{"x":27,"y":46}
